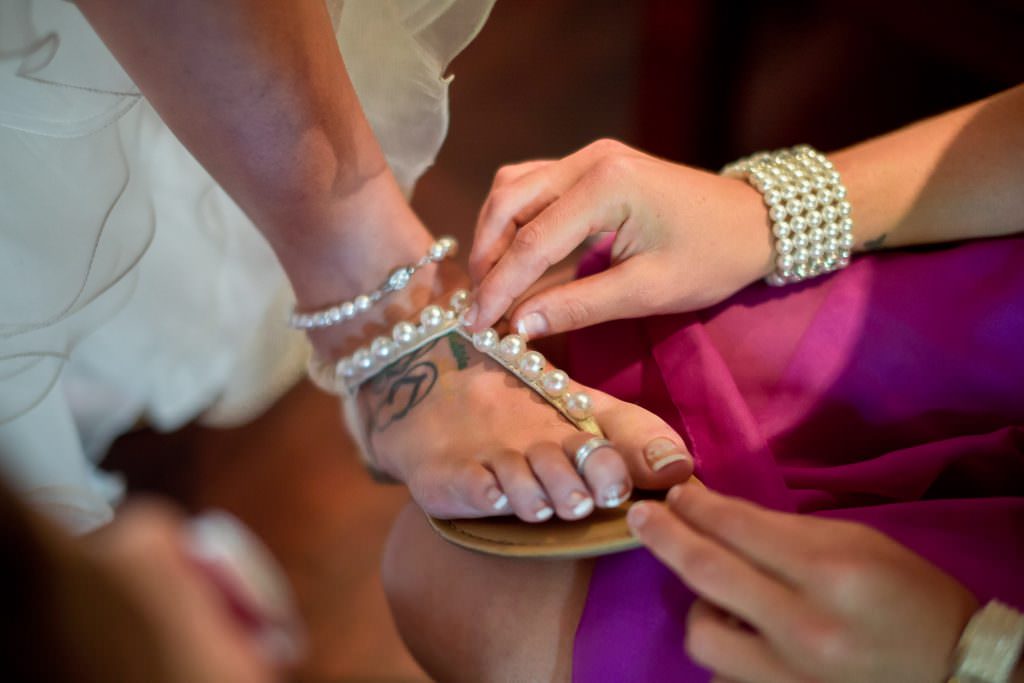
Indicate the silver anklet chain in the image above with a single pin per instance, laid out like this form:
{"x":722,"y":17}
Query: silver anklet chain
{"x":397,"y":280}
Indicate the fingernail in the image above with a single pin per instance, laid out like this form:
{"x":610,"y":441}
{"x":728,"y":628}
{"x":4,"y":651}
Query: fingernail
{"x":662,"y":452}
{"x":532,"y":325}
{"x":545,"y":513}
{"x":637,"y":516}
{"x":582,"y":504}
{"x":674,"y":493}
{"x":470,"y":314}
{"x":615,"y":495}
{"x":498,"y":500}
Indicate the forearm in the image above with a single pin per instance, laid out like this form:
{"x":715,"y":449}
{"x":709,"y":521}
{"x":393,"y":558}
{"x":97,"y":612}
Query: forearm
{"x":257,"y":91}
{"x":952,"y":177}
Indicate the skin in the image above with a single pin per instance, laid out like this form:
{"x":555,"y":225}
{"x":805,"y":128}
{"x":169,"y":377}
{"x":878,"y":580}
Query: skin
{"x":809,"y":590}
{"x":953,"y":177}
{"x":129,"y":603}
{"x":258,"y":92}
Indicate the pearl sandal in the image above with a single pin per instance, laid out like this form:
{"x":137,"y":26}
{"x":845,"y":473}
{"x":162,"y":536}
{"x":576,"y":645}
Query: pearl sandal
{"x":602,"y":532}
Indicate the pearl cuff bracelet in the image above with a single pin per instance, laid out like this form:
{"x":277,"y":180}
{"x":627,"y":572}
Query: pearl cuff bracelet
{"x":443,"y":248}
{"x":808,"y":209}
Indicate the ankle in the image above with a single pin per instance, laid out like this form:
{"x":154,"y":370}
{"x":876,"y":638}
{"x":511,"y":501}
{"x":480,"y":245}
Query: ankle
{"x":431,"y":283}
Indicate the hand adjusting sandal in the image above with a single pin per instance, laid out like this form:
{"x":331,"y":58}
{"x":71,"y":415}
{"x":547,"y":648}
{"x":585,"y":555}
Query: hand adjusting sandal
{"x":603,"y":532}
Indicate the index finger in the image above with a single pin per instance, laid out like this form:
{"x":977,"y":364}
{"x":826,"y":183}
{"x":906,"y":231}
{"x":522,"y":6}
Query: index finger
{"x":713,"y":571}
{"x":541,"y":243}
{"x":781,"y":543}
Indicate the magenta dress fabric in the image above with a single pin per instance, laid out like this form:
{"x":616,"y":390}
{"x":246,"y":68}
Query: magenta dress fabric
{"x":891,"y":393}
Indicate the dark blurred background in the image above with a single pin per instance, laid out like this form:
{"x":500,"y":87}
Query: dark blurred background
{"x":692,"y":80}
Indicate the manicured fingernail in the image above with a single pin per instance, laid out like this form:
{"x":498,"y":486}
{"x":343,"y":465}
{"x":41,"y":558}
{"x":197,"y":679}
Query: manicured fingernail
{"x":532,"y":325}
{"x":582,"y":504}
{"x":662,"y":452}
{"x":544,"y":514}
{"x":498,"y":500}
{"x":637,"y":516}
{"x":674,"y":493}
{"x":615,"y":495}
{"x":468,"y":316}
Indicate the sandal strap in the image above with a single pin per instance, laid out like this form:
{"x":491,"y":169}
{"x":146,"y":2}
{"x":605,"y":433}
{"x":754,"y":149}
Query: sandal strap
{"x":345,"y":376}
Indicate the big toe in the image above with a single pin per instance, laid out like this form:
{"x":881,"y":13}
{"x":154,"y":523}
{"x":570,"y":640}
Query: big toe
{"x":657,"y":457}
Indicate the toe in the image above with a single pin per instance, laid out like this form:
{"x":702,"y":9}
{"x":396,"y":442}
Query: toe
{"x":526,"y":496}
{"x":565,"y":489}
{"x":656,"y":456}
{"x":466,"y":489}
{"x":603,"y":469}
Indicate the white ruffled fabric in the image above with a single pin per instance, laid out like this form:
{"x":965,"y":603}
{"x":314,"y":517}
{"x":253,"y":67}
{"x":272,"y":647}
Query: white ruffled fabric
{"x":131,"y":286}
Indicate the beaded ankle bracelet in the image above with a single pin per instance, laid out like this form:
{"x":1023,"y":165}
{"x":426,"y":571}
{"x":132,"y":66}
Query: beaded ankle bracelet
{"x":346,"y":375}
{"x":443,"y":248}
{"x":808,"y":209}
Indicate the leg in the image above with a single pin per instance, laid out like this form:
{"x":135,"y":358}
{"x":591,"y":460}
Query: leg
{"x":471,"y":617}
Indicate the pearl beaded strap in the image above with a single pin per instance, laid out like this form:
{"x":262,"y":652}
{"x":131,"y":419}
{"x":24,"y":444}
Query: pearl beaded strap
{"x":398,"y":279}
{"x":346,"y":375}
{"x":808,"y":208}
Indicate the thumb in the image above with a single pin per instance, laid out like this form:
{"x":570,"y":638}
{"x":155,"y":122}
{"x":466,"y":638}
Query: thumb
{"x":613,"y":294}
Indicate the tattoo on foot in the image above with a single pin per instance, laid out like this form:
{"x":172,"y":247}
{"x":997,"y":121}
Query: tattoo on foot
{"x":459,"y":351}
{"x":400,"y":387}
{"x":407,"y":382}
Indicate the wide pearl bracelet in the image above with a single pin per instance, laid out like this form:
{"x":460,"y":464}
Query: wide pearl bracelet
{"x":346,"y":375}
{"x":808,"y":209}
{"x":396,"y":281}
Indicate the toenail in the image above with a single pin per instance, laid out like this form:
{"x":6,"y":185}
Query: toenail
{"x":498,"y":500}
{"x":661,"y":453}
{"x":545,"y":513}
{"x":615,"y":495}
{"x":582,"y":504}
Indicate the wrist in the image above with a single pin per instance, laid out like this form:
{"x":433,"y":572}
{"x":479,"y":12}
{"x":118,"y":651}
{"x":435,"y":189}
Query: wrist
{"x":752,"y":230}
{"x":349,"y":245}
{"x":807,"y":207}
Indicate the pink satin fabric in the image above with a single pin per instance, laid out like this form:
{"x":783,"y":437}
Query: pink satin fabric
{"x":891,"y":393}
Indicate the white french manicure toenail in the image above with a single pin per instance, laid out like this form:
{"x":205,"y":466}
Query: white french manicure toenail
{"x":662,"y":452}
{"x":532,"y":325}
{"x":501,"y":502}
{"x":545,"y":513}
{"x":583,"y":508}
{"x":615,"y":495}
{"x":666,"y":460}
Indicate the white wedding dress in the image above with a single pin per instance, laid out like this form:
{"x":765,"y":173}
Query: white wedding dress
{"x":131,"y":286}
